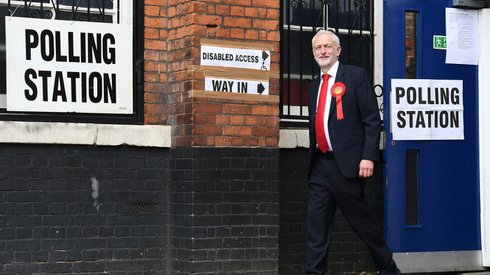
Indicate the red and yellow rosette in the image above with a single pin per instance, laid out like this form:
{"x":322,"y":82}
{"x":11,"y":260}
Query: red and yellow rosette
{"x":338,"y":90}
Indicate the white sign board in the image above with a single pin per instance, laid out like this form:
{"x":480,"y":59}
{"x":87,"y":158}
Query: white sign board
{"x":236,"y":86}
{"x":424,"y":109}
{"x":462,"y":36}
{"x":237,"y":58}
{"x":67,"y":66}
{"x":3,"y":101}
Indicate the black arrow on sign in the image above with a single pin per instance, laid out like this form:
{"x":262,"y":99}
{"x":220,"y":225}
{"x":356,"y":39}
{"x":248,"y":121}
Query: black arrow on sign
{"x":264,"y":55}
{"x":260,"y":88}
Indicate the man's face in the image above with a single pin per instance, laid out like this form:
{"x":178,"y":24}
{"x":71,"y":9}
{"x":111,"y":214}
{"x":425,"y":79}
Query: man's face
{"x":326,"y":53}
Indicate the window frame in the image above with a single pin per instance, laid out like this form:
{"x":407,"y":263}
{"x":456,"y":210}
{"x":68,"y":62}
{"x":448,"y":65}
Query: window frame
{"x":292,"y":115}
{"x":134,"y":10}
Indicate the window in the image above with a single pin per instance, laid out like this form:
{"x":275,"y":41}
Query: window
{"x":87,"y":46}
{"x":411,"y":21}
{"x":351,"y":20}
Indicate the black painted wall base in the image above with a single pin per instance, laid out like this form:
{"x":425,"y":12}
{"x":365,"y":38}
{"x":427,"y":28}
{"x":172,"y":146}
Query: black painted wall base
{"x":348,"y":255}
{"x":128,"y":210}
{"x":225,"y":211}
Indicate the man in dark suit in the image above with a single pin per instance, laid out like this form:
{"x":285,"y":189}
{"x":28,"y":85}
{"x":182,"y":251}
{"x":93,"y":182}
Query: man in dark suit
{"x":344,"y":143}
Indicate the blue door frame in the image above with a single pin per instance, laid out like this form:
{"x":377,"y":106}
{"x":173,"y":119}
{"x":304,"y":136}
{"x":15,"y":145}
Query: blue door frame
{"x":447,"y":194}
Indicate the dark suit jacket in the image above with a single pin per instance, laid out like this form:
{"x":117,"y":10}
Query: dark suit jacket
{"x":357,"y":136}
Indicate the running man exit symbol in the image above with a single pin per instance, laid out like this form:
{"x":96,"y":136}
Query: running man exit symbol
{"x":439,"y":42}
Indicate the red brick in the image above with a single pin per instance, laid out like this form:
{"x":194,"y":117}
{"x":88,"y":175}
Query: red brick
{"x":265,"y":131}
{"x":152,"y":33}
{"x":152,"y":10}
{"x":237,"y":120}
{"x":255,"y":120}
{"x":274,"y":36}
{"x":207,"y":19}
{"x":222,"y":10}
{"x":266,"y":3}
{"x":251,"y":34}
{"x":237,"y":109}
{"x":152,"y":22}
{"x":223,"y":33}
{"x":251,"y":12}
{"x":153,"y":87}
{"x":210,"y":130}
{"x":154,"y":108}
{"x":203,"y":140}
{"x":237,"y":130}
{"x":237,"y":11}
{"x":265,"y":110}
{"x":155,"y":45}
{"x":272,"y":141}
{"x":222,"y":120}
{"x":204,"y":119}
{"x":151,"y":77}
{"x":221,"y":141}
{"x":238,"y":2}
{"x":151,"y":66}
{"x":155,"y":2}
{"x":207,"y":108}
{"x":237,"y":22}
{"x":251,"y":141}
{"x":237,"y":33}
{"x":236,"y":141}
{"x":152,"y":98}
{"x":184,"y":119}
{"x":273,"y":14}
{"x":266,"y":24}
{"x":152,"y":55}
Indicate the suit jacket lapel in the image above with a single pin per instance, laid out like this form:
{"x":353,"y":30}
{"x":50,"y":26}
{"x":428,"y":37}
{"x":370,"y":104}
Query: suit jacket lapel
{"x":315,"y":87}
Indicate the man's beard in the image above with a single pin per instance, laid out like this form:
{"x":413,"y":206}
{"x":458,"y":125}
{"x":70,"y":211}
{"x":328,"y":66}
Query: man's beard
{"x":322,"y":62}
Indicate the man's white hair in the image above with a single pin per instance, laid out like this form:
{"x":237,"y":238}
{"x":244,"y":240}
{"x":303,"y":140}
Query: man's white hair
{"x":335,"y":38}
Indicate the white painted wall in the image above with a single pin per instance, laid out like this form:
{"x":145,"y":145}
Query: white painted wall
{"x":85,"y":134}
{"x":484,"y":129}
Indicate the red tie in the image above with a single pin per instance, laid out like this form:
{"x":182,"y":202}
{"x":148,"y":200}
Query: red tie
{"x":321,"y":139}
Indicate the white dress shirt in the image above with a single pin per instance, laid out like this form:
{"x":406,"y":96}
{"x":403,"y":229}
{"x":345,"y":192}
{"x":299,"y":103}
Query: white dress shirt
{"x":332,"y":72}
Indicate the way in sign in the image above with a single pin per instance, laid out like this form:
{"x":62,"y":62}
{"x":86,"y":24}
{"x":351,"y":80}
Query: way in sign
{"x":237,"y":86}
{"x":227,"y":86}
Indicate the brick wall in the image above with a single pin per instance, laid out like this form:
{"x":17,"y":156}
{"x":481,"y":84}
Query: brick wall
{"x":173,"y":30}
{"x":128,"y":210}
{"x":83,"y":210}
{"x":208,"y":205}
{"x":223,"y":202}
{"x":225,"y":211}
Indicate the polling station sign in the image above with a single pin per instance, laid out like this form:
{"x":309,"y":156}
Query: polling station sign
{"x":68,"y":66}
{"x":426,"y":109}
{"x":223,"y":56}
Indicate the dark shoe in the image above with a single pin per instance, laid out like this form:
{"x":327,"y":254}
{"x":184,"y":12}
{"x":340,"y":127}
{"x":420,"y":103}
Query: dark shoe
{"x":392,"y":269}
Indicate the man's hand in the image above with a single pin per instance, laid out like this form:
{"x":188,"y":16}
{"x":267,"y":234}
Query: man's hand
{"x":366,"y":168}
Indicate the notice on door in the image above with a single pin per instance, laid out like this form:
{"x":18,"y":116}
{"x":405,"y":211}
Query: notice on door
{"x":425,"y":109}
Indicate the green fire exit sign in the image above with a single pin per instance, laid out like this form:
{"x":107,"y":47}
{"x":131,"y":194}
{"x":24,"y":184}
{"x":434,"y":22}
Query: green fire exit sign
{"x":439,"y":42}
